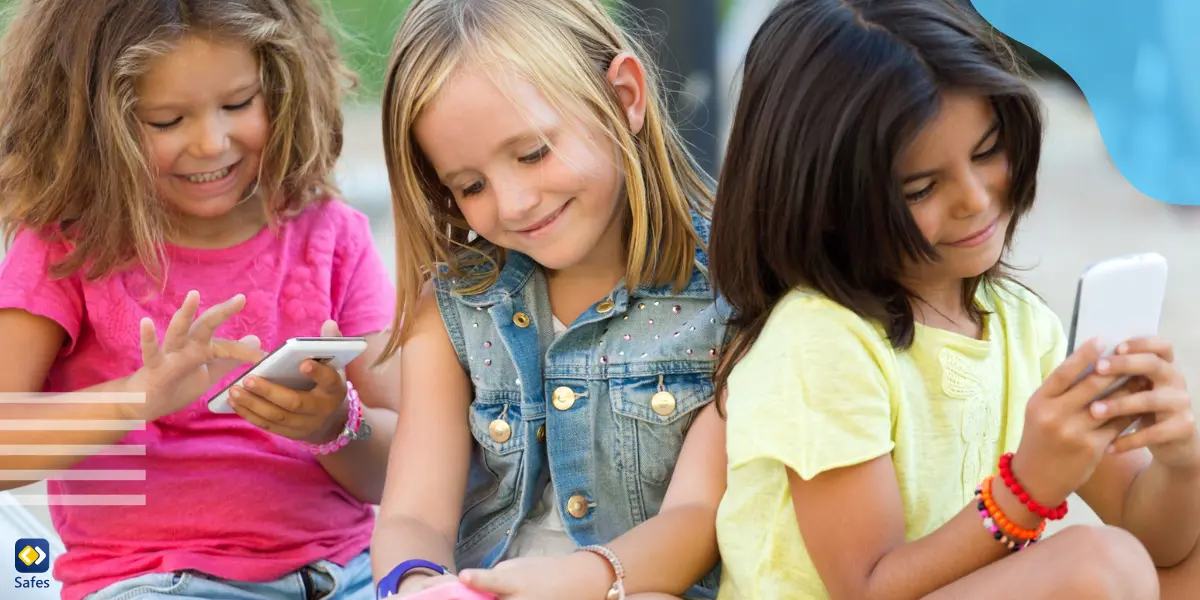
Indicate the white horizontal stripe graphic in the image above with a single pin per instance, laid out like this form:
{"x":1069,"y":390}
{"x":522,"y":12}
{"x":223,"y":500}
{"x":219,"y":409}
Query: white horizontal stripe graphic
{"x":71,"y":398}
{"x":73,"y":475}
{"x":70,"y":425}
{"x":71,"y":450}
{"x":72,"y":500}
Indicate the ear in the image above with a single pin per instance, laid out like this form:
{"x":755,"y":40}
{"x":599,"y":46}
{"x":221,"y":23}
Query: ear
{"x":627,"y":75}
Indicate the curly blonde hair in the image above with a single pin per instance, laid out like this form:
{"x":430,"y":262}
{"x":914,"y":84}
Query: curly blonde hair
{"x":564,"y":47}
{"x":72,"y":158}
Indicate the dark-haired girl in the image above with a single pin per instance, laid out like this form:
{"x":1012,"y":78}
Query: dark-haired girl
{"x":903,"y":420}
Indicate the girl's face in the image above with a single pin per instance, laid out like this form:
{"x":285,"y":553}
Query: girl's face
{"x":956,"y":178}
{"x":205,"y":122}
{"x":564,"y":207}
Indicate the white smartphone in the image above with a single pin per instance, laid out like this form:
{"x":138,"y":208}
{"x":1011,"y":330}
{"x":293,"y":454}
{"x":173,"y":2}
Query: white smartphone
{"x":282,"y":366}
{"x":1116,"y":300}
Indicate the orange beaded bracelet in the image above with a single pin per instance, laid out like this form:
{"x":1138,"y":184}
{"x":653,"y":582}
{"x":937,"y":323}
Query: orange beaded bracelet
{"x":1009,"y":528}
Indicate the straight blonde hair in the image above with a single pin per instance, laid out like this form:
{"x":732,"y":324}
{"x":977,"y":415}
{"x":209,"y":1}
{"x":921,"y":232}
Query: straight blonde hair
{"x":564,"y":48}
{"x":71,"y":153}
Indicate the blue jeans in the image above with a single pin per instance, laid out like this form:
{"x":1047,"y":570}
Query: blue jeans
{"x":322,"y":580}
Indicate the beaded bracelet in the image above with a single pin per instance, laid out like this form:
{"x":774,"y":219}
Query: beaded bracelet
{"x":1013,"y":486}
{"x":1001,"y":529}
{"x":1010,"y":528}
{"x":617,"y":591}
{"x":355,"y":428}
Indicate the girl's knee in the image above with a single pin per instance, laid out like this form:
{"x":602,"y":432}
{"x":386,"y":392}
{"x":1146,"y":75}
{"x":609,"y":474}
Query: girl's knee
{"x":1111,"y":563}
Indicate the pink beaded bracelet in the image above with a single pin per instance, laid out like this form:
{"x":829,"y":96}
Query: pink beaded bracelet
{"x":356,"y":427}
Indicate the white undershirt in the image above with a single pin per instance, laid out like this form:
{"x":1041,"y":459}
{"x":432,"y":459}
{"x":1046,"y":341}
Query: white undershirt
{"x":543,"y":533}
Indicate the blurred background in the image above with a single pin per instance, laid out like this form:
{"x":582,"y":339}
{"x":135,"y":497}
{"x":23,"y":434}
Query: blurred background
{"x":1086,"y":210}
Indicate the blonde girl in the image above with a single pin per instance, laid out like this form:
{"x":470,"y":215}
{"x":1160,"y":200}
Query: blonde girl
{"x":556,"y":436}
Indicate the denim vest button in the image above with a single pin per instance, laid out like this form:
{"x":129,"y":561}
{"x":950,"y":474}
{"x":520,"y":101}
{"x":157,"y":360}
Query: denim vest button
{"x":577,"y":506}
{"x":541,"y":433}
{"x":605,"y":307}
{"x":663,"y":403}
{"x":521,"y":320}
{"x":500,"y":431}
{"x":564,"y":398}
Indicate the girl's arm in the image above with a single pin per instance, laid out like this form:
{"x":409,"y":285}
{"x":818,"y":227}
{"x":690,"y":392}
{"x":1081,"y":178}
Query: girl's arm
{"x":173,"y":375}
{"x":685,"y":526}
{"x":684,"y":529}
{"x":852,"y":522}
{"x":357,"y":466}
{"x":1154,"y":502}
{"x":430,"y":454}
{"x":29,"y":345}
{"x":852,"y":518}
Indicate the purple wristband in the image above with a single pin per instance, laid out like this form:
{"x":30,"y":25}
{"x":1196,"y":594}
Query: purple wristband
{"x":390,"y":583}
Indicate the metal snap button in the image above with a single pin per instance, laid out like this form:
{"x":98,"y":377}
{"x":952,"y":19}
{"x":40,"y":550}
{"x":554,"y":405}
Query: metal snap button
{"x":564,"y":398}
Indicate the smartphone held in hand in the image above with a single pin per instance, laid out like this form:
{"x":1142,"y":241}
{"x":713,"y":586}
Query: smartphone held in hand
{"x":1117,"y":300}
{"x":282,"y":366}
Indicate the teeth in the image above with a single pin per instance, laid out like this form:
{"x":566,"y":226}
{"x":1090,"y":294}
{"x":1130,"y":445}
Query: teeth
{"x":206,"y":177}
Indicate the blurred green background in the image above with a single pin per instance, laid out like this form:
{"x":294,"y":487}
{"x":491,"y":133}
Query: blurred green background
{"x":367,"y":27}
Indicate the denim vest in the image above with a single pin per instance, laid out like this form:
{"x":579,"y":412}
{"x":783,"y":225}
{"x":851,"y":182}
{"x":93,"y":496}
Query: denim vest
{"x":601,"y":410}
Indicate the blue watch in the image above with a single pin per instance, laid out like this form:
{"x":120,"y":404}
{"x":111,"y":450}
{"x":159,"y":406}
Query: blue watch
{"x":390,"y":584}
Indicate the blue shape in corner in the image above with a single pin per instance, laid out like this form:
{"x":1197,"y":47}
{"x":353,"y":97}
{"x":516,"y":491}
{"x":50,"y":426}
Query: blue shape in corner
{"x":1138,"y":65}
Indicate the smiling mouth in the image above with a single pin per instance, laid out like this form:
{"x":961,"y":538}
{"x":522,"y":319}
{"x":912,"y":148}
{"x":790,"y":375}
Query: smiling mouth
{"x":546,"y":221}
{"x":210,"y":176}
{"x":978,"y":236}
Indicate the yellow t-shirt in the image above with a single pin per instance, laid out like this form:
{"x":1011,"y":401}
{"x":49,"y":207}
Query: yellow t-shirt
{"x":822,"y":388}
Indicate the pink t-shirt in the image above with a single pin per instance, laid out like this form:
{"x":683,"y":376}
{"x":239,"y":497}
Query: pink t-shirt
{"x":221,"y":495}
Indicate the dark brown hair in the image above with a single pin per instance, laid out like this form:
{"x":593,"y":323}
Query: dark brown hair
{"x":809,"y":194}
{"x":71,"y":150}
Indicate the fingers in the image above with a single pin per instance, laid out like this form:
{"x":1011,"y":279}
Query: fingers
{"x":1157,"y":401}
{"x":493,"y":581}
{"x":1071,"y":369}
{"x":252,"y":341}
{"x":261,"y":412}
{"x":151,"y":353}
{"x":1179,"y":426}
{"x":1160,"y":372}
{"x":330,"y":329}
{"x":286,"y":400}
{"x":204,"y":327}
{"x":1109,"y":430}
{"x":327,"y":378}
{"x":1148,"y":345}
{"x":246,"y":351}
{"x":181,"y":322}
{"x":228,"y":356}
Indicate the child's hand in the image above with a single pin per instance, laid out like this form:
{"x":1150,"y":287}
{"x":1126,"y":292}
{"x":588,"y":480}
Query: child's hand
{"x":421,"y":582}
{"x":1168,"y":426}
{"x":316,"y":416}
{"x":1062,"y":442}
{"x":581,"y":575}
{"x":190,"y":361}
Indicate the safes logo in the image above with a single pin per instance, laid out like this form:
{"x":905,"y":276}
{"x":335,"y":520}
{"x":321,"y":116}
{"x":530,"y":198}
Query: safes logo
{"x":32,"y":555}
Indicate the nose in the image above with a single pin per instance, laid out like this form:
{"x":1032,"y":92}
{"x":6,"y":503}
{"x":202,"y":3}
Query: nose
{"x":515,"y":201}
{"x":211,"y":137}
{"x":975,"y":195}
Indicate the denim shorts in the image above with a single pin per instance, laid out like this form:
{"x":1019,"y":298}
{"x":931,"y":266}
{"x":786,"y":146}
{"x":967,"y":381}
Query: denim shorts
{"x":322,"y":580}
